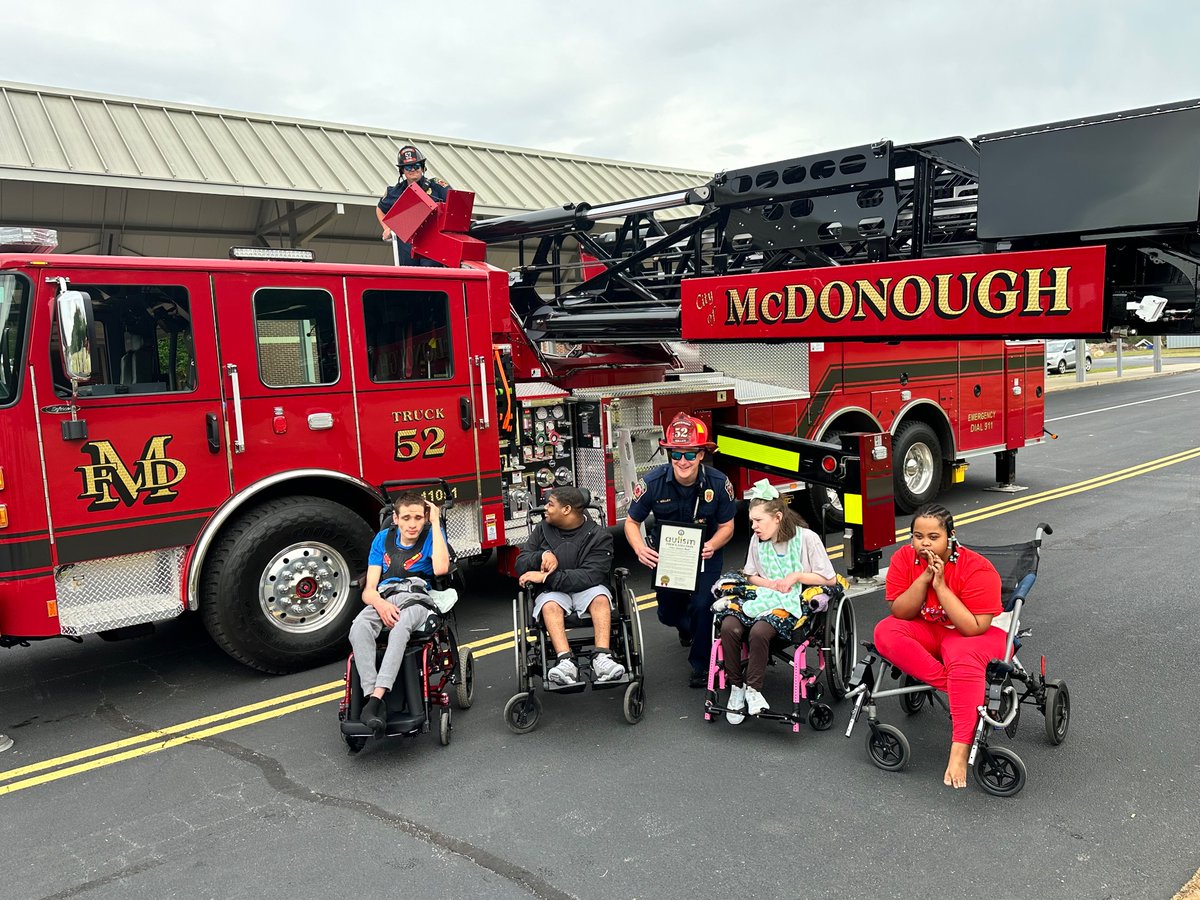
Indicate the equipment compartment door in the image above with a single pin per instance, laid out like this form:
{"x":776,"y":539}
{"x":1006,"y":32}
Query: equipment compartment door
{"x":1023,"y":408}
{"x":420,"y":386}
{"x":152,"y":466}
{"x":286,"y":336}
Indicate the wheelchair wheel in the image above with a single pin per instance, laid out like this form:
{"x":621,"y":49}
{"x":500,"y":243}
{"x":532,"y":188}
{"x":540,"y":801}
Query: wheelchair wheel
{"x":888,"y":748}
{"x":444,"y":726}
{"x":820,"y":716}
{"x":999,"y":771}
{"x":522,"y":711}
{"x":912,"y":703}
{"x":464,"y":689}
{"x":635,"y":702}
{"x":1058,"y":711}
{"x":840,"y":633}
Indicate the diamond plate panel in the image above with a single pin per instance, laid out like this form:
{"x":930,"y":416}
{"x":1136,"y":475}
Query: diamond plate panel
{"x":685,"y":385}
{"x":784,"y":365}
{"x":462,"y":528}
{"x":538,"y":390}
{"x":103,"y":594}
{"x":589,"y":464}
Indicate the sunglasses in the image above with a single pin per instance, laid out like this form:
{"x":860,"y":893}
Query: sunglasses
{"x":689,"y":455}
{"x":412,"y":167}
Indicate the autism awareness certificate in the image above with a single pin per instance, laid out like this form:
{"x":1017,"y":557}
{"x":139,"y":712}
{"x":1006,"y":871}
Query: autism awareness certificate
{"x":679,"y":546}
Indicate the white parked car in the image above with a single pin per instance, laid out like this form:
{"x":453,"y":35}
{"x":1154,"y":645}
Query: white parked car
{"x":1060,"y":356}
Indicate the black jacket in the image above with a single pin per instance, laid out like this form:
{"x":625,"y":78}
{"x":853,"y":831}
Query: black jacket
{"x":585,"y":556}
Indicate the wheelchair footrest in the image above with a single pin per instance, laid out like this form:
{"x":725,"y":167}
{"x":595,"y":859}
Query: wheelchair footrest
{"x":397,"y":724}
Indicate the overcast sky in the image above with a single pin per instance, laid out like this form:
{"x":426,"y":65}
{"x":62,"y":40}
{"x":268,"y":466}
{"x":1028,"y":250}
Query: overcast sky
{"x":698,"y":84}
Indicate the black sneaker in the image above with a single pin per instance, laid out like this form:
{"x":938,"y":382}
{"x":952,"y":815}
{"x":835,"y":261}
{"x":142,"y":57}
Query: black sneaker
{"x":685,"y":639}
{"x":697,"y":679}
{"x":373,"y":715}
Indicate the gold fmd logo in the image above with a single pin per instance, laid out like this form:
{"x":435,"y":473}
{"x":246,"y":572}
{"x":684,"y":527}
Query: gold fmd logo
{"x":108,"y":481}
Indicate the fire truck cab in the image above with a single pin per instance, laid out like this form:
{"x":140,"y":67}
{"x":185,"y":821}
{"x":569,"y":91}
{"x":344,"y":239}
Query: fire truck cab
{"x":206,"y":434}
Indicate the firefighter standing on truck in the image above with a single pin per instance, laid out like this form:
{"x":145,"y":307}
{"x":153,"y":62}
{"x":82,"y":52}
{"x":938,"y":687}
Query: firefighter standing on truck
{"x":685,"y":490}
{"x":411,"y":163}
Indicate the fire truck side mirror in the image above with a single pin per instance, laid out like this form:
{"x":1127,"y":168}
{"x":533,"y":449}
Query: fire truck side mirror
{"x":76,"y":330}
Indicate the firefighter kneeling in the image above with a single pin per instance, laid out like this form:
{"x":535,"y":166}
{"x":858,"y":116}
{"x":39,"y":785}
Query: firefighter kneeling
{"x":685,"y":490}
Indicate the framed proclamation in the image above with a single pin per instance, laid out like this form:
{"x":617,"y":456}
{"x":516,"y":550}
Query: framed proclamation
{"x":679,"y":545}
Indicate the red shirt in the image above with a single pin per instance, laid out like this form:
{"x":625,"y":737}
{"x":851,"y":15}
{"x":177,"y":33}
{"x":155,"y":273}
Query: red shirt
{"x":971,"y":578}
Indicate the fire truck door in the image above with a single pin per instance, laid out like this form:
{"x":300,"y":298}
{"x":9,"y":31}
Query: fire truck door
{"x":981,"y":391}
{"x":1017,"y":396}
{"x":148,"y":466}
{"x":284,"y":357}
{"x":420,"y":384}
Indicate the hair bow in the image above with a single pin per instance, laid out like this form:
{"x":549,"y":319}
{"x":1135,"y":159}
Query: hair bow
{"x":763,"y":490}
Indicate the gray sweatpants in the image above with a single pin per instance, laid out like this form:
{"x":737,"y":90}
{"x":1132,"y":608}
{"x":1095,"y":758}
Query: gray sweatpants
{"x":363,"y":635}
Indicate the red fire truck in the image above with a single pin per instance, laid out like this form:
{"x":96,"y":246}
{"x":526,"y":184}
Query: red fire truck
{"x":206,"y":435}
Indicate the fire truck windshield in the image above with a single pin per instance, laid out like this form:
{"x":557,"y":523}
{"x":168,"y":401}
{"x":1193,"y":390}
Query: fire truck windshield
{"x":13,"y":306}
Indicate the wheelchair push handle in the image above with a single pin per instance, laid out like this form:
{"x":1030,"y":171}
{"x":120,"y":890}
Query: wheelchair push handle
{"x":445,"y":500}
{"x":1043,"y":528}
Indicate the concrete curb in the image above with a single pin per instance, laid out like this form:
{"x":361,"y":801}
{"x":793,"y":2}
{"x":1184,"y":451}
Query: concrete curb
{"x":1068,"y":382}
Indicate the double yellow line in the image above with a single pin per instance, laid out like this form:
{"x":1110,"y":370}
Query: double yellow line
{"x":157,"y":740}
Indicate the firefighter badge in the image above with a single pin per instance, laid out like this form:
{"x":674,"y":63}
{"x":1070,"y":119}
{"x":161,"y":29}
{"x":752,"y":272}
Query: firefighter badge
{"x":729,"y":489}
{"x":708,"y":495}
{"x":639,"y":488}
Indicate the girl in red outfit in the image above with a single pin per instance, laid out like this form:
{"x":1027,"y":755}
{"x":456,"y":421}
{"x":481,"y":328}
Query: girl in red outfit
{"x":944,"y":627}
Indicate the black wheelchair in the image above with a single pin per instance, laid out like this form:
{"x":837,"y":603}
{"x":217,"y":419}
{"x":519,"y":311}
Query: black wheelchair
{"x":534,"y":654}
{"x":434,"y":666}
{"x":998,"y":770}
{"x":822,"y":644}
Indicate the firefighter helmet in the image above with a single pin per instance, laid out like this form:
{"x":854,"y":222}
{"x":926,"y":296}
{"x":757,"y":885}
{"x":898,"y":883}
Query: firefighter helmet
{"x":687,"y":433}
{"x":409,"y":155}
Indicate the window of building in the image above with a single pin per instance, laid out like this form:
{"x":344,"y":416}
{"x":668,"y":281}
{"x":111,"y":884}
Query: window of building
{"x":408,"y":335}
{"x":297,"y":341}
{"x":142,"y":342}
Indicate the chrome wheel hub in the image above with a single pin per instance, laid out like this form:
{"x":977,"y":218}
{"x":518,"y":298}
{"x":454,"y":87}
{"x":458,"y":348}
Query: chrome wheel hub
{"x":918,"y":468}
{"x":304,"y":586}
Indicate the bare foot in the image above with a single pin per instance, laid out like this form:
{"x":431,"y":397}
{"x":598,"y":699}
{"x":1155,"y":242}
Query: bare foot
{"x":956,"y":769}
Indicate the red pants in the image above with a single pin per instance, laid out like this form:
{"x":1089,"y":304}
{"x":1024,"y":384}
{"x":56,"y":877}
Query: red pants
{"x":945,"y":659}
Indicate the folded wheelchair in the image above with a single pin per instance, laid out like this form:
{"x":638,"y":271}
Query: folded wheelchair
{"x":998,"y":770}
{"x":434,"y":666}
{"x":534,"y":654}
{"x":821,"y":645}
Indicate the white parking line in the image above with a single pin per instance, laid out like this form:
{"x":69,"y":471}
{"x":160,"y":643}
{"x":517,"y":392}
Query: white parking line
{"x":1122,"y":406}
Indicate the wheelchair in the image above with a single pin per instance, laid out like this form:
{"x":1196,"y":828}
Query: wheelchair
{"x":534,"y":654}
{"x":825,"y":635}
{"x":433,"y":668}
{"x":998,"y":770}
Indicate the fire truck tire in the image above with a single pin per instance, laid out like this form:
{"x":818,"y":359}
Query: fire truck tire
{"x":314,"y":546}
{"x":917,"y":462}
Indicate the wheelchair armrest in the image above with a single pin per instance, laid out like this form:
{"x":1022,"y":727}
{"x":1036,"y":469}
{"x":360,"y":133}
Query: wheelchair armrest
{"x":1021,"y":591}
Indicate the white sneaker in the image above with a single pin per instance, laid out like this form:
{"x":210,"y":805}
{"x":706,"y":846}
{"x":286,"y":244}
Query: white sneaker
{"x":566,"y":672}
{"x":5,"y":742}
{"x":737,"y":700}
{"x":606,"y":668}
{"x":755,"y":702}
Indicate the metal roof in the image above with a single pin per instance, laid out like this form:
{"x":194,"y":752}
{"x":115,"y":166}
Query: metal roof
{"x":72,"y":137}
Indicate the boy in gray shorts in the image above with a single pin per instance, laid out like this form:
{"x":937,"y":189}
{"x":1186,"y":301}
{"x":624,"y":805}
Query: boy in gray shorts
{"x":571,"y":557}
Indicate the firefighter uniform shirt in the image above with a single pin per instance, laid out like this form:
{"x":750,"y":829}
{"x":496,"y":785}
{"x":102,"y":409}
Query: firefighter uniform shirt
{"x":708,"y":502}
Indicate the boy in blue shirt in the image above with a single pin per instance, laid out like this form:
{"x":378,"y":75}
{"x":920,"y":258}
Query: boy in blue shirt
{"x":397,"y":553}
